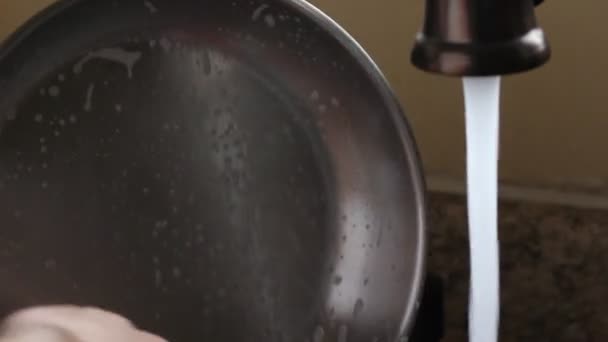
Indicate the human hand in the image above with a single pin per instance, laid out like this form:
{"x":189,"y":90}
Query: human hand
{"x":71,"y":324}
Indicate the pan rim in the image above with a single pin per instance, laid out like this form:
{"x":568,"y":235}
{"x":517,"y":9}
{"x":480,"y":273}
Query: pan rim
{"x":350,"y":44}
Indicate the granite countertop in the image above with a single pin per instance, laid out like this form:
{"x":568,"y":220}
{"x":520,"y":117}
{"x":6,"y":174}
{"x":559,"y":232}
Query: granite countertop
{"x":554,"y":270}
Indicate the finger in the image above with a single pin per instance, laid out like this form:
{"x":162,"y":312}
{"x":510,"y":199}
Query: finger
{"x":37,"y":333}
{"x":84,"y":323}
{"x":106,"y":317}
{"x":40,"y":315}
{"x":144,"y":336}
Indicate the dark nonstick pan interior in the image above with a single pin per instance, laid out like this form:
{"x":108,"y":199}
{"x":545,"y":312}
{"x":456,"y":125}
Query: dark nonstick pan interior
{"x":214,"y":170}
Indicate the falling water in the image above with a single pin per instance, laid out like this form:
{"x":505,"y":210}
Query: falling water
{"x":482,"y":96}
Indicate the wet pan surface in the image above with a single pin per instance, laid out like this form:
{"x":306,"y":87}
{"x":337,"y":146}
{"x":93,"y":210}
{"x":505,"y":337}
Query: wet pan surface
{"x":214,"y":170}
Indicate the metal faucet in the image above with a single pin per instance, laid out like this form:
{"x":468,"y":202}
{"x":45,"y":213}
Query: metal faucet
{"x":480,"y":38}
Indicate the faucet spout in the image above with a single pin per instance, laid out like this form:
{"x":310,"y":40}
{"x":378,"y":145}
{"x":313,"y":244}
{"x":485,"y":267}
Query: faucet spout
{"x":480,"y":38}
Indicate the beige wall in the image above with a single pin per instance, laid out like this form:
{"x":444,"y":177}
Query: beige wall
{"x":554,"y":119}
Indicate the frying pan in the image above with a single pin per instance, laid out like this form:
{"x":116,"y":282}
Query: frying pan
{"x":220,"y":170}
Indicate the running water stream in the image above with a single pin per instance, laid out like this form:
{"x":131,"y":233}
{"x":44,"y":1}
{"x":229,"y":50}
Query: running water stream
{"x":482,"y":97}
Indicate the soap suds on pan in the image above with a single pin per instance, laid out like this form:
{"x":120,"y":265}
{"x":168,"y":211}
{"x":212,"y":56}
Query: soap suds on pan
{"x":150,"y":6}
{"x":54,"y":91}
{"x":258,"y":12}
{"x":117,"y":55}
{"x":88,"y":103}
{"x":269,"y":19}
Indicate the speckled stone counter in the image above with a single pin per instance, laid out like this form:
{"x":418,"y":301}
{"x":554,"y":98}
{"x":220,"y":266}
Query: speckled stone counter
{"x":554,"y":264}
